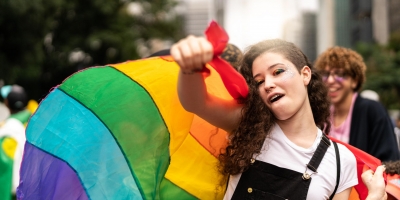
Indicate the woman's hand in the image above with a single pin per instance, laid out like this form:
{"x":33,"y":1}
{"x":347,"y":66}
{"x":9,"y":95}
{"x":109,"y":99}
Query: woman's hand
{"x":192,"y":53}
{"x":375,"y":183}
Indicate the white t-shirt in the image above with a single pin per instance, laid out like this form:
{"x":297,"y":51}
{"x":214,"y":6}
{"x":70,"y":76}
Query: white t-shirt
{"x":280,"y":151}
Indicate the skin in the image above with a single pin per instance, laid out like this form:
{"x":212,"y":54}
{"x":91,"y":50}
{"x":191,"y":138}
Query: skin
{"x":375,"y":183}
{"x":191,"y":53}
{"x":292,"y":110}
{"x":341,"y":95}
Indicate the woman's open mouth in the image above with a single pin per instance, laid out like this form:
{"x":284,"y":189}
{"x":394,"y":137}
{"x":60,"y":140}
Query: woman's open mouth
{"x":275,"y":98}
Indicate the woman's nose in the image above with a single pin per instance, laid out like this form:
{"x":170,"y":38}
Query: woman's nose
{"x":269,"y":84}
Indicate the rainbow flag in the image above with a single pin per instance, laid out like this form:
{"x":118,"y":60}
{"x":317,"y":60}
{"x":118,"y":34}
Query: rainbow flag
{"x":119,"y":132}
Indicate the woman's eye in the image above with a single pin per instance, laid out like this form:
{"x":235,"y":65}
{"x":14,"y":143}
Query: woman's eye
{"x":259,"y":82}
{"x":278,"y":71}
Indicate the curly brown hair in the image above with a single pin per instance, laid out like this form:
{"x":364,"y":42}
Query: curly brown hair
{"x":392,"y":167}
{"x":343,"y":58}
{"x":233,"y":55}
{"x":257,"y":120}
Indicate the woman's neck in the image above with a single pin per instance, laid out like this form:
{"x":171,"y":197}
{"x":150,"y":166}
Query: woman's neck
{"x":341,"y":110}
{"x":300,"y":128}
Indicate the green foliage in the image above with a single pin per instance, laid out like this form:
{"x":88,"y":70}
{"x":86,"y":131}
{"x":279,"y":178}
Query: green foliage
{"x":383,"y":71}
{"x":394,"y":41}
{"x":38,"y":37}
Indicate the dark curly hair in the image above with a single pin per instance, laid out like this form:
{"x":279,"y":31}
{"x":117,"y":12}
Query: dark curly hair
{"x":343,"y":58}
{"x":257,"y":120}
{"x":392,"y":167}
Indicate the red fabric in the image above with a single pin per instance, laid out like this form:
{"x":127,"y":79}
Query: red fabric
{"x":233,"y":81}
{"x":237,"y":87}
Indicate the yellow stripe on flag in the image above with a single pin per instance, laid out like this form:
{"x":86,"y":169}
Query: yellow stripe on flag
{"x":198,"y":175}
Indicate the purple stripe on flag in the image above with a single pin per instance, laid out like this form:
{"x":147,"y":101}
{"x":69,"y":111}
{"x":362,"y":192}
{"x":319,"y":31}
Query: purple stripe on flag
{"x":44,"y":176}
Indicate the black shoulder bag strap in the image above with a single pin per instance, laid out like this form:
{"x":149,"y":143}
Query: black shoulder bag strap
{"x":337,"y":169}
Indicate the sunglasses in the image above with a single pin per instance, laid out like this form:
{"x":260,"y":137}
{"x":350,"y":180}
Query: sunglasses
{"x":337,"y":76}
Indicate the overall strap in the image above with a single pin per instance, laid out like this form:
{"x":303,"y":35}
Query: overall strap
{"x":337,"y":169}
{"x":319,"y":153}
{"x":227,"y":183}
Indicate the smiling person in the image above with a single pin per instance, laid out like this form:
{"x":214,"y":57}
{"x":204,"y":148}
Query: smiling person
{"x":360,"y":122}
{"x":276,"y":149}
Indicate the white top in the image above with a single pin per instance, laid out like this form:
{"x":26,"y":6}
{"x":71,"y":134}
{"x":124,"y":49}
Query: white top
{"x":15,"y":129}
{"x":280,"y":151}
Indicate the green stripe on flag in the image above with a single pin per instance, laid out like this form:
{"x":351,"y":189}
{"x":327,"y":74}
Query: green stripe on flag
{"x":171,"y":191}
{"x":132,"y":117}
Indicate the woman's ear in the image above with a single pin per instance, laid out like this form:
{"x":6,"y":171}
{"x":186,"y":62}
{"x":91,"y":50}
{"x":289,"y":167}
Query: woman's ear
{"x":306,"y":74}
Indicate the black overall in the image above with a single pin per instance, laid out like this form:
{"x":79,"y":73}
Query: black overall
{"x":266,"y":181}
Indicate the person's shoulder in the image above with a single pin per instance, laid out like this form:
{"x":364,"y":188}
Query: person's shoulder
{"x":369,"y":105}
{"x":348,"y":168}
{"x":346,"y":156}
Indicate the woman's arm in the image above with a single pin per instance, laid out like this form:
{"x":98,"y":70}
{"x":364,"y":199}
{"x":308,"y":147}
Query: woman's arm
{"x":344,"y":195}
{"x":191,"y":54}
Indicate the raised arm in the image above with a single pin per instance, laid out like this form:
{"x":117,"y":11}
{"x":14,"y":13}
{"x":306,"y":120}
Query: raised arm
{"x":191,"y":54}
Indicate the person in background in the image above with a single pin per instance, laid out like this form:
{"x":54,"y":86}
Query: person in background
{"x":360,"y":122}
{"x":12,"y":130}
{"x":233,"y":55}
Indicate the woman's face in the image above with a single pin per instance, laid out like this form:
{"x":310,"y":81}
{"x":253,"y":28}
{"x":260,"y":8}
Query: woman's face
{"x":339,"y":84}
{"x":282,"y":88}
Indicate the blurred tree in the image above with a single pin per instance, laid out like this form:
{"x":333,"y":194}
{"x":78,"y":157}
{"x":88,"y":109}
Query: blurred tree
{"x":43,"y":42}
{"x":394,"y":41}
{"x":383,"y":70}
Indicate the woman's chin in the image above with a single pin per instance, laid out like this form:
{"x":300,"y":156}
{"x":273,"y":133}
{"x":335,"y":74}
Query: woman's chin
{"x":282,"y":117}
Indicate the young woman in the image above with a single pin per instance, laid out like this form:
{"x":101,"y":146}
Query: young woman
{"x":276,"y":147}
